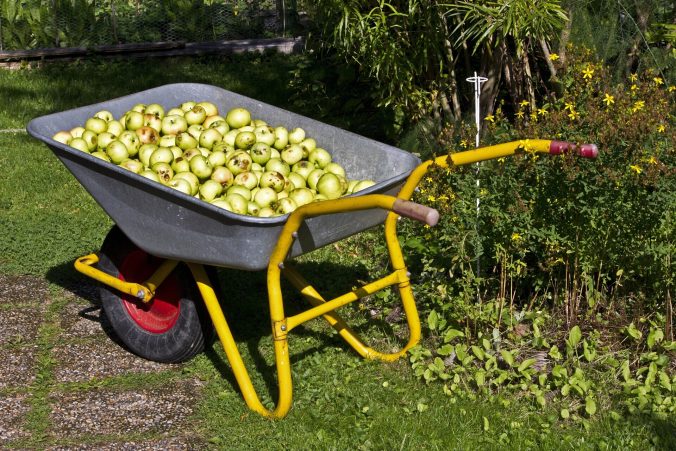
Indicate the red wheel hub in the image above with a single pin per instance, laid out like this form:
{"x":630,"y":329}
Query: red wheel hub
{"x":160,"y":314}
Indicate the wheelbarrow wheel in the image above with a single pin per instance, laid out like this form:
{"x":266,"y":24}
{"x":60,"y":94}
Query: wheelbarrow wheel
{"x":174,"y":326}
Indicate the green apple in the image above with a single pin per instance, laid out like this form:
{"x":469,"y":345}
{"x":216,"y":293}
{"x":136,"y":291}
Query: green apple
{"x":265,"y":134}
{"x":239,"y":162}
{"x":180,"y":185}
{"x":147,"y":135}
{"x":222,"y":175}
{"x":302,"y":196}
{"x":173,"y":124}
{"x":265,"y":197}
{"x":101,"y":155}
{"x":186,"y":141}
{"x":209,"y":121}
{"x":191,"y":179}
{"x":63,"y":137}
{"x":105,"y":115}
{"x":200,"y":167}
{"x":292,"y":154}
{"x":335,"y":168}
{"x":134,"y":166}
{"x":150,"y":120}
{"x":363,"y":184}
{"x":329,"y":185}
{"x":133,"y":120}
{"x":76,"y":132}
{"x":131,"y":140}
{"x":303,"y":168}
{"x":238,"y":117}
{"x":217,"y":158}
{"x":163,"y":171}
{"x":238,"y":203}
{"x":81,"y":145}
{"x":246,"y":179}
{"x":96,"y":125}
{"x":180,"y":164}
{"x":313,"y":177}
{"x":155,"y":109}
{"x":115,"y":127}
{"x":91,"y":139}
{"x":210,"y":108}
{"x":275,"y":164}
{"x":116,"y":151}
{"x":274,"y":180}
{"x":210,"y":190}
{"x":260,"y":153}
{"x":221,"y":126}
{"x":281,"y":138}
{"x":245,"y":140}
{"x":320,"y":157}
{"x":296,"y":136}
{"x":161,"y":155}
{"x":150,"y":174}
{"x":209,"y":137}
{"x":297,"y":180}
{"x":240,"y":190}
{"x":285,"y":206}
{"x":195,"y":115}
{"x":144,"y":153}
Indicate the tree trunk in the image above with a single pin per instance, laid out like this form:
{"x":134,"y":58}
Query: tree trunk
{"x":642,"y":16}
{"x":528,"y":78}
{"x":565,"y":35}
{"x":491,"y":68}
{"x":550,"y":63}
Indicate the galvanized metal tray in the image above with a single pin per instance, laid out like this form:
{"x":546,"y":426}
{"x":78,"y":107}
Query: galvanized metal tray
{"x":170,"y":224}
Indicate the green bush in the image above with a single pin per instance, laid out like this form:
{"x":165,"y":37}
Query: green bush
{"x":563,"y":252}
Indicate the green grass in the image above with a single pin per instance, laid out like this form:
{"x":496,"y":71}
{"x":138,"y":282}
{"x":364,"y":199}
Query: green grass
{"x":340,"y":400}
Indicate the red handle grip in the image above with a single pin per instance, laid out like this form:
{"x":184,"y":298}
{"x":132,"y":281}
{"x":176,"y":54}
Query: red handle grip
{"x":416,"y":211}
{"x":585,"y":150}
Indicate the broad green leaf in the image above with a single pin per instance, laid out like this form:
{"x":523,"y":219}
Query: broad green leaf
{"x":526,"y":364}
{"x":486,"y":344}
{"x":433,"y":320}
{"x":446,"y":349}
{"x":554,"y":353}
{"x":540,"y":399}
{"x":480,"y":378}
{"x":486,"y":424}
{"x":664,"y":380}
{"x":478,"y":352}
{"x":590,"y":406}
{"x":574,"y":336}
{"x":655,"y":336}
{"x":565,"y":390}
{"x":588,"y":352}
{"x":633,"y":332}
{"x":450,"y":334}
{"x":559,"y":371}
{"x":626,"y":372}
{"x":507,"y":357}
{"x":565,"y":414}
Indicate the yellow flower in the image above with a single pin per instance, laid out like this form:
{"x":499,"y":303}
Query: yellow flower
{"x":534,"y":116}
{"x":608,"y":99}
{"x":516,"y":237}
{"x":519,"y":114}
{"x":634,"y":87}
{"x":635,"y":168}
{"x":490,"y":118}
{"x":483,"y":192}
{"x":463,"y":143}
{"x":553,"y":57}
{"x":658,"y":81}
{"x":652,"y":160}
{"x":542,"y":111}
{"x":638,"y":106}
{"x":501,"y":160}
{"x":431,"y":198}
{"x":428,"y":179}
{"x":573,"y":115}
{"x":569,"y":106}
{"x":588,"y":72}
{"x":661,"y":128}
{"x":443,"y":197}
{"x":671,"y":88}
{"x":524,"y":103}
{"x":633,"y":77}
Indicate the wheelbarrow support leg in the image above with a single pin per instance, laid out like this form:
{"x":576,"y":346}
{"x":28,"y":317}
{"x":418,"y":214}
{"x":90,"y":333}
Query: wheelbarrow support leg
{"x":234,"y":357}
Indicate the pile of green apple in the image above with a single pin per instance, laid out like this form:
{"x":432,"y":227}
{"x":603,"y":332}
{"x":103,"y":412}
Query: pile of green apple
{"x":236,"y":162}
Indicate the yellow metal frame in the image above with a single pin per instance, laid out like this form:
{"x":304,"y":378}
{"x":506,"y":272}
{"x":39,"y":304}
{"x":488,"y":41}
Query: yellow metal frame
{"x":282,"y":324}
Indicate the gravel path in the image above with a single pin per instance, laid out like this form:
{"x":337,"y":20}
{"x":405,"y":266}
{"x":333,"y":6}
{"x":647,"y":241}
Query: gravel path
{"x":65,"y":384}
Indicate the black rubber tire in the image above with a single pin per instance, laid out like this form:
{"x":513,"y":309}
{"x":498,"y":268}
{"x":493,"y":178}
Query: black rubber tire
{"x":188,"y":330}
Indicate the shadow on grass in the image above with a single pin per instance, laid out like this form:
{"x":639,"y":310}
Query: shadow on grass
{"x":243,"y":298}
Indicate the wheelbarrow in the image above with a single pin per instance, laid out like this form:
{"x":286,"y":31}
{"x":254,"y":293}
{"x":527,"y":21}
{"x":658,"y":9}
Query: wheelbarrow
{"x":163,"y":238}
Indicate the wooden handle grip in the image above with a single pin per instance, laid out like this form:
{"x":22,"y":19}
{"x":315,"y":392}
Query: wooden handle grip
{"x":416,"y":211}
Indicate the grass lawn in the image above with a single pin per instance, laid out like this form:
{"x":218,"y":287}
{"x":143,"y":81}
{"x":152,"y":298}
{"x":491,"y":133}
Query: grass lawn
{"x":340,"y":401}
